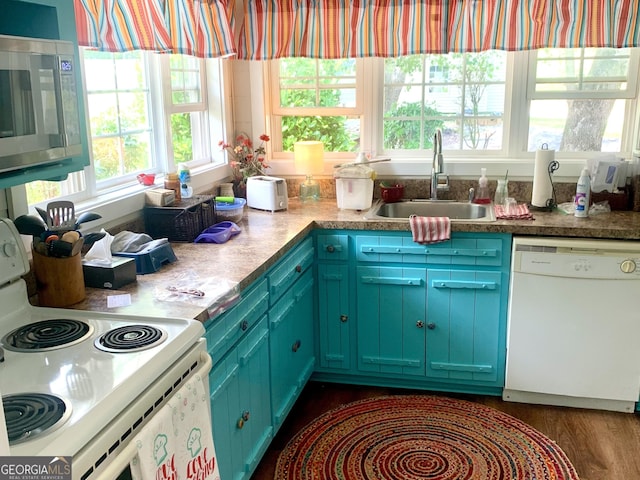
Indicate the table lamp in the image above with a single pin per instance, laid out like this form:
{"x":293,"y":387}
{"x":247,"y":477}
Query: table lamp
{"x":309,"y":160}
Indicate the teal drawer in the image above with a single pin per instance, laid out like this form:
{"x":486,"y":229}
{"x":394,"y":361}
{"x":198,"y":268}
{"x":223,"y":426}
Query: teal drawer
{"x":462,"y":250}
{"x":289,"y":269}
{"x":224,"y":331}
{"x":332,"y":247}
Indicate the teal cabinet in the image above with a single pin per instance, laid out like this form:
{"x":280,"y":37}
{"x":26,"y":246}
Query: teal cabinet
{"x":291,"y":330}
{"x":254,"y":415}
{"x":238,"y":342}
{"x":224,"y":386}
{"x":417,"y":316}
{"x":334,"y":319}
{"x":464,"y":325}
{"x":392,"y":310}
{"x":335,"y":297}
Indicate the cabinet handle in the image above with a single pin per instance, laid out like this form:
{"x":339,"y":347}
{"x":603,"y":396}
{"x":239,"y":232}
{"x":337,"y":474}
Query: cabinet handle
{"x":243,"y":418}
{"x":431,"y":326}
{"x":296,"y":346}
{"x":298,"y":268}
{"x":244,"y":325}
{"x":344,"y":318}
{"x":419,"y":324}
{"x":331,"y":248}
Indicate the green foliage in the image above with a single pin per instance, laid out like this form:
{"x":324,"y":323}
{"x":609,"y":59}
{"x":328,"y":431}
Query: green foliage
{"x":181,"y":137}
{"x":332,"y":131}
{"x":405,"y":133}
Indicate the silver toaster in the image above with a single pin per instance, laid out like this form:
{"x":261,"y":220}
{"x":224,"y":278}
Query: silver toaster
{"x":267,"y":193}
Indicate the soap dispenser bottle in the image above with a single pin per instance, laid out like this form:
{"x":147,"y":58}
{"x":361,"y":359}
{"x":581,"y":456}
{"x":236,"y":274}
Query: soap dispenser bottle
{"x":482,"y":193}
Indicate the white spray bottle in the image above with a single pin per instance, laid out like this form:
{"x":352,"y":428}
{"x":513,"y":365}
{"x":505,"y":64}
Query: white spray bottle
{"x":583,"y":194}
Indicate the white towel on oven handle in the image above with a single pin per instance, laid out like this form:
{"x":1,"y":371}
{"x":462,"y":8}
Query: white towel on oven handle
{"x":177,"y":442}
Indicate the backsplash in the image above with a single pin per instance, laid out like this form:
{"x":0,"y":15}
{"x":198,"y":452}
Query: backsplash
{"x":458,"y":189}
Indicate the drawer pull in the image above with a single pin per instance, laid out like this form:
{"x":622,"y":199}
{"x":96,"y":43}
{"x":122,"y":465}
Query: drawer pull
{"x":296,"y":346}
{"x":344,"y":318}
{"x":420,"y":324}
{"x":463,"y":284}
{"x":431,"y":326}
{"x":244,"y":325}
{"x":439,"y":251}
{"x":330,"y":248}
{"x":392,"y":280}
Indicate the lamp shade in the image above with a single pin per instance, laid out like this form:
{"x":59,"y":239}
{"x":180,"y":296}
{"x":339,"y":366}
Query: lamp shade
{"x":309,"y":157}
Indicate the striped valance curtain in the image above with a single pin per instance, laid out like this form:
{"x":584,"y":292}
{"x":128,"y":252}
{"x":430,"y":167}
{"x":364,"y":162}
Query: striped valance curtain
{"x":193,"y":27}
{"x":390,"y":28}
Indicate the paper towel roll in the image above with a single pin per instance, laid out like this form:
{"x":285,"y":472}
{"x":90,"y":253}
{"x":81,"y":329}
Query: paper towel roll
{"x":542,"y":189}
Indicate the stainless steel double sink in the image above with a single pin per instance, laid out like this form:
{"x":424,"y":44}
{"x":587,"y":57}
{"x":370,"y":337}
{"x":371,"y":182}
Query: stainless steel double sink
{"x":456,"y":211}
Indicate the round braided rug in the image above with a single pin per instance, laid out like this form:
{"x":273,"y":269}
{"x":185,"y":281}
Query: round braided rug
{"x":421,"y":437}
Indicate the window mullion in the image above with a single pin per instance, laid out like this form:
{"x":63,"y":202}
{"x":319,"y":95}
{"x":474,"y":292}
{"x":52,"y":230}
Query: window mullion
{"x":516,"y":120}
{"x":372,"y":101}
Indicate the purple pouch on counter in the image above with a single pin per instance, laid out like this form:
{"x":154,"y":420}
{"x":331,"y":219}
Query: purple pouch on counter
{"x":218,"y":233}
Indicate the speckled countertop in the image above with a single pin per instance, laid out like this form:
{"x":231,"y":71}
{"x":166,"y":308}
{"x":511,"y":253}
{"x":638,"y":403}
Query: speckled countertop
{"x":267,"y":236}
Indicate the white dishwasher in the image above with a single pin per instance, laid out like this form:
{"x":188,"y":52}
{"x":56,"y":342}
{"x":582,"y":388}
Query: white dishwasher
{"x":573,"y":331}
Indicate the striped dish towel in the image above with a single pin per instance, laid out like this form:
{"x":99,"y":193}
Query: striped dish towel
{"x":430,"y":229}
{"x":521,"y":212}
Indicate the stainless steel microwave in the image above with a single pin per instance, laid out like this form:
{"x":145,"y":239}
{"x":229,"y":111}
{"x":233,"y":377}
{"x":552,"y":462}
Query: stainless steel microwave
{"x":39,"y":120}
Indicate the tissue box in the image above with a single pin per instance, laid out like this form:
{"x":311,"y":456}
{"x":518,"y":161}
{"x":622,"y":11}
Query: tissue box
{"x":159,"y":197}
{"x":122,"y":271}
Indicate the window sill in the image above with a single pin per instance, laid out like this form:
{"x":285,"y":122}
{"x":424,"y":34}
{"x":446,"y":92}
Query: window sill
{"x":522,"y":169}
{"x":125,"y":204}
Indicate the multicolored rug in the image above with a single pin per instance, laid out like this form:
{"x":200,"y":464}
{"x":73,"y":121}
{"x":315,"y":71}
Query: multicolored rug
{"x":421,"y":437}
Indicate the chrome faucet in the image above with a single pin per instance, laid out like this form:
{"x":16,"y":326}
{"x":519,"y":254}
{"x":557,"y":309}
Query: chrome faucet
{"x":437,"y":166}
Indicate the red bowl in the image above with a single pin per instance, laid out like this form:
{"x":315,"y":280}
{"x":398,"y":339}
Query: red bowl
{"x":392,"y":194}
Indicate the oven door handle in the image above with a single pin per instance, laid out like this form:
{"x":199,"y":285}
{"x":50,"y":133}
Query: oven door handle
{"x":123,"y":458}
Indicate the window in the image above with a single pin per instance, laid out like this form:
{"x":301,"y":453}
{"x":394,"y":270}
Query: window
{"x":490,"y":106}
{"x":119,"y":111}
{"x":147,"y":113}
{"x":461,"y":94}
{"x":317,"y":100}
{"x":580,"y":98}
{"x":187,"y":108}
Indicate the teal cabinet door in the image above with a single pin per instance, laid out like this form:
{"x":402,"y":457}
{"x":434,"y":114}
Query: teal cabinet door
{"x":291,"y":346}
{"x":225,"y":399}
{"x":334,"y":325}
{"x":254,"y":410}
{"x":464,"y":325}
{"x":241,"y":405}
{"x":391,"y":320}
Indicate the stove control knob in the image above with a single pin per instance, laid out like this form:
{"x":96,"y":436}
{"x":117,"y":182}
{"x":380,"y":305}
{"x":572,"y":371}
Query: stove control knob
{"x":628,"y":266}
{"x":9,"y":249}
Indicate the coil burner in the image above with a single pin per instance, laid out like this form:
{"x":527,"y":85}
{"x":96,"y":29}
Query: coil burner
{"x":130,"y":338}
{"x":47,"y":335}
{"x":29,"y":415}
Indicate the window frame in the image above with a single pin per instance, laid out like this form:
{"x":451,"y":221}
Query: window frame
{"x":271,"y":100}
{"x":514,"y":155}
{"x":127,"y":197}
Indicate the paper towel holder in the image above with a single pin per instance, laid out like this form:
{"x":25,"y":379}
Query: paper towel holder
{"x":551,"y":202}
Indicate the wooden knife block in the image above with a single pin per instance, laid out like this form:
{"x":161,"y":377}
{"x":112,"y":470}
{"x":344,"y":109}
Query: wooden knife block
{"x":60,"y":281}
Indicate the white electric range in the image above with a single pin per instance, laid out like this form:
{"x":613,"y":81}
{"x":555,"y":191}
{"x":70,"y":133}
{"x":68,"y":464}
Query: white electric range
{"x":81,"y":384}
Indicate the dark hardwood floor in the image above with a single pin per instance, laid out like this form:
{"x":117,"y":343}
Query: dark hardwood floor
{"x":601,"y":445}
